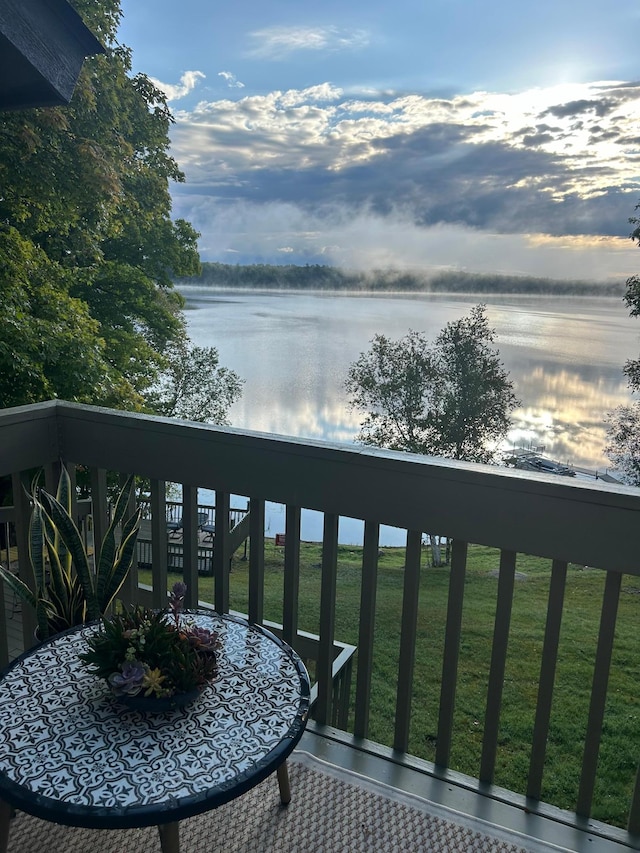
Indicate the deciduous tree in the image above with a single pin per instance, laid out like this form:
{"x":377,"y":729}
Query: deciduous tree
{"x":194,"y":387}
{"x":623,"y":431}
{"x":624,"y":442}
{"x":88,"y":246}
{"x":451,"y":398}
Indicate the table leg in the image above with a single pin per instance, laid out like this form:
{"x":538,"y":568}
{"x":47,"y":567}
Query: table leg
{"x":5,"y":816}
{"x":170,"y":837}
{"x":283,"y":784}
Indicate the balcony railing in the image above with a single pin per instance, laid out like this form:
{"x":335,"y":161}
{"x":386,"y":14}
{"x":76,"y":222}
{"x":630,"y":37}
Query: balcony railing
{"x":564,"y":521}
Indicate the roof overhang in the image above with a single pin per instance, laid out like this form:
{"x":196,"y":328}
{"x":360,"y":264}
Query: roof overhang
{"x":43,"y":44}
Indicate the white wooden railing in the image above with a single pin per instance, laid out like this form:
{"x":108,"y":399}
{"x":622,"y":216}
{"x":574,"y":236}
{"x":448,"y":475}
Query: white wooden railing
{"x":564,"y":520}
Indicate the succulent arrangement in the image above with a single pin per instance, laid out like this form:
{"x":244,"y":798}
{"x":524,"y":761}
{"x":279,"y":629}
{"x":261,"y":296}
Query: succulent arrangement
{"x":153,"y":654}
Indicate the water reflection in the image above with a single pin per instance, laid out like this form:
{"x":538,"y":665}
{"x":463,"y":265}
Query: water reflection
{"x":565,"y":357}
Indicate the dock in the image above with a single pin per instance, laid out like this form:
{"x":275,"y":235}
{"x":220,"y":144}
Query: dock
{"x":529,"y":459}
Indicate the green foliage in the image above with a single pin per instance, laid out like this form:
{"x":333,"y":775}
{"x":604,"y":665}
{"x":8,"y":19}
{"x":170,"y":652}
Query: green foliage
{"x":73,"y":591}
{"x":88,"y":248}
{"x":50,"y":345}
{"x":452,"y":398}
{"x":194,"y":387}
{"x":623,"y":424}
{"x":623,"y":448}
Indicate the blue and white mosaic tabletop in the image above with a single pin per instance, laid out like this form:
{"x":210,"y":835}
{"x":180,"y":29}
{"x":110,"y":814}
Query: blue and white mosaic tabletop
{"x":69,"y":752}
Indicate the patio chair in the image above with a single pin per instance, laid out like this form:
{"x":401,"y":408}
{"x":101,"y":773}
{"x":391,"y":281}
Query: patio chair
{"x":208,"y":528}
{"x":174,"y":527}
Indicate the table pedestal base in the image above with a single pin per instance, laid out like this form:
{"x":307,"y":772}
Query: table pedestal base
{"x":170,"y":837}
{"x":170,"y":832}
{"x":283,"y":783}
{"x":5,"y":817}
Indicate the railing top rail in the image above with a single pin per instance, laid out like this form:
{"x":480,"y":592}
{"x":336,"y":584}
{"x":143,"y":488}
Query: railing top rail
{"x":593,"y":524}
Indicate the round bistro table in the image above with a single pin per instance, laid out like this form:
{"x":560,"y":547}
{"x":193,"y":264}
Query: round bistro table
{"x":71,"y":754}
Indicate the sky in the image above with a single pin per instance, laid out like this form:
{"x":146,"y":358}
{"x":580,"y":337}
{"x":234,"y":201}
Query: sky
{"x":435,"y":135}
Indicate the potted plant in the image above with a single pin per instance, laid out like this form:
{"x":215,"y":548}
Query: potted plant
{"x":72,"y":591}
{"x":153,"y":660}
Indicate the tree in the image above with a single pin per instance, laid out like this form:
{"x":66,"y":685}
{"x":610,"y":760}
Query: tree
{"x":623,"y":448}
{"x":623,"y":430}
{"x":88,"y":248}
{"x":452,"y":398}
{"x":195,"y":387}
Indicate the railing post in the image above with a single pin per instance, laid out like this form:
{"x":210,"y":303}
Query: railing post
{"x":324,"y":666}
{"x":451,"y":651}
{"x":408,"y":633}
{"x":221,"y":553}
{"x":99,"y":510}
{"x":4,"y":640}
{"x":368,"y":592}
{"x":51,"y":478}
{"x":599,"y":692}
{"x":22,"y":506}
{"x":291,"y":575}
{"x":190,"y":544}
{"x":129,"y":591}
{"x":159,"y":543}
{"x":498,"y":661}
{"x":256,"y":561}
{"x":547,"y":677}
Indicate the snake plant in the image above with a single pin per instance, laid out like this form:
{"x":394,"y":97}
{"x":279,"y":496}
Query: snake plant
{"x":73,"y":590}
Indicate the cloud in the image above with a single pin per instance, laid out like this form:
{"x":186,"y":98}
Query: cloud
{"x":365,"y":239}
{"x":600,"y":107}
{"x":481,"y":167}
{"x":277,"y":43}
{"x":187,"y":83}
{"x":231,"y":80}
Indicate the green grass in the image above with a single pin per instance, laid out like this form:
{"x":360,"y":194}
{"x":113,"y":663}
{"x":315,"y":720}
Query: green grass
{"x":620,"y":749}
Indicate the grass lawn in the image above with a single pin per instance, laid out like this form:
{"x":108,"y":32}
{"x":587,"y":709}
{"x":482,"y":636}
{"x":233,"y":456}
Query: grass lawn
{"x":620,"y":749}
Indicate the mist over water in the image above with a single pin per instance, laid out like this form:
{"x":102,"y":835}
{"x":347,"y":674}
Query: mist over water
{"x":565,"y":356}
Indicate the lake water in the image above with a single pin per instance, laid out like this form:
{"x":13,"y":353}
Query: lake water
{"x":565,"y":356}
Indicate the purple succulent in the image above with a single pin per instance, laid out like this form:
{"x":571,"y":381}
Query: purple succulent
{"x":176,"y":600}
{"x":179,"y":590}
{"x":202,"y":638}
{"x":129,"y":681}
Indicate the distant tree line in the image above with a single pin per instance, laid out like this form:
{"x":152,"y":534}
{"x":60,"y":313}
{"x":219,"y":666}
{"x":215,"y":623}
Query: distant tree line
{"x":321,"y":277}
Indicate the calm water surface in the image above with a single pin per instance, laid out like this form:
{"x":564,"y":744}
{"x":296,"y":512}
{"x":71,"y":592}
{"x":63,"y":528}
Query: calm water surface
{"x":565,"y":356}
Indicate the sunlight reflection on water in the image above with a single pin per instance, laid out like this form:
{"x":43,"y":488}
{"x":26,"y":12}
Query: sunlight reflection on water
{"x":565,"y":356}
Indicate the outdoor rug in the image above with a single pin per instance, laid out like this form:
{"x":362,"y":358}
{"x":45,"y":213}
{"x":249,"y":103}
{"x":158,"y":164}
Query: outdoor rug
{"x":331,"y":811}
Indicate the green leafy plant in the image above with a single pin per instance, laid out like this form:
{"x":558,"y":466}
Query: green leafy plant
{"x":72,"y":590}
{"x":147,"y":653}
